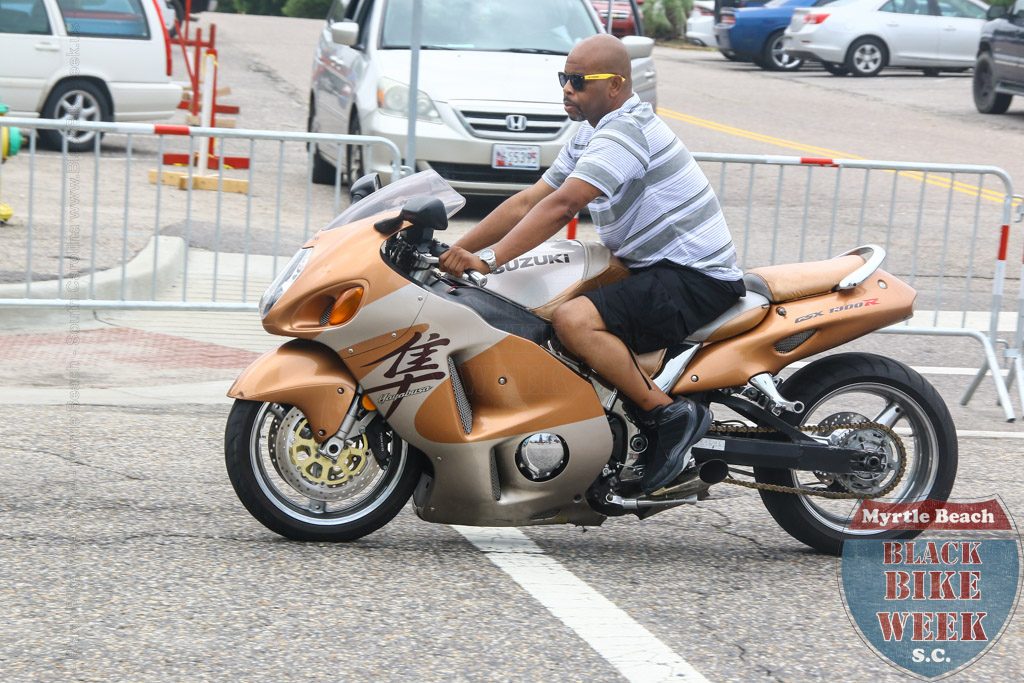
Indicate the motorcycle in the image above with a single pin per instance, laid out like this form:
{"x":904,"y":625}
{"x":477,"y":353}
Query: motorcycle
{"x":403,"y":381}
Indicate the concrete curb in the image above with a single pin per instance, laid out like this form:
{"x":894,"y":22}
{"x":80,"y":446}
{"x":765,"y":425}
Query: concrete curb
{"x":164,"y":256}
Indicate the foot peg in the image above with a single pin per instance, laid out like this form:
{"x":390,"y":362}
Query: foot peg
{"x":765,"y":384}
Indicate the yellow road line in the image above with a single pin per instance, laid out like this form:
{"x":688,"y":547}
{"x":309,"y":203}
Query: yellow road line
{"x":945,"y":183}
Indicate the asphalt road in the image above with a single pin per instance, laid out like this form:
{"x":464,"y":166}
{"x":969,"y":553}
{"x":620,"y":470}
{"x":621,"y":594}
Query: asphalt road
{"x":125,"y":556}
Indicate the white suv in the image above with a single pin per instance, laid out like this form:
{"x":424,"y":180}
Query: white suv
{"x":97,"y":60}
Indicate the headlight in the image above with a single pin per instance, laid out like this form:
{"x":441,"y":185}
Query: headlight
{"x":284,"y":280}
{"x":393,"y":99}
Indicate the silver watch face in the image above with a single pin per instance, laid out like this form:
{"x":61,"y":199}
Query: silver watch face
{"x":488,"y":256}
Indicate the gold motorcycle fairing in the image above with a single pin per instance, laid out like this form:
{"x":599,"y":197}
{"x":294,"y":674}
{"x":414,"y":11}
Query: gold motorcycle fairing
{"x":304,"y":374}
{"x":827,"y":320}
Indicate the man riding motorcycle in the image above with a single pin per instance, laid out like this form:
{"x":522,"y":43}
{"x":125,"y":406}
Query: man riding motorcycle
{"x":655,"y":209}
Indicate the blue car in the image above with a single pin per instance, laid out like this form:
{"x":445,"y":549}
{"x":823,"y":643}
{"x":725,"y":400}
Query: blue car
{"x":755,"y":33}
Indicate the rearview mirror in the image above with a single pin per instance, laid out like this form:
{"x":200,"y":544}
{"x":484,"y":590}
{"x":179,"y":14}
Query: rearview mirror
{"x":364,"y":187}
{"x":426,"y":214}
{"x":996,"y":12}
{"x":345,"y":33}
{"x":638,"y":47}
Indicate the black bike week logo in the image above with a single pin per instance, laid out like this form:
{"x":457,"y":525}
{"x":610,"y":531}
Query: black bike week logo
{"x":933,"y":605}
{"x":530,"y":261}
{"x":412,"y":363}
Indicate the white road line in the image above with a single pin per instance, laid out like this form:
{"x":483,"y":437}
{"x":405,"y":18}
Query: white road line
{"x":978,"y":434}
{"x":613,"y":634}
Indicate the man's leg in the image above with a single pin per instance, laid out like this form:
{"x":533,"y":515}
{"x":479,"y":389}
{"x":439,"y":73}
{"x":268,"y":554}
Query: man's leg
{"x":679,"y":423}
{"x":580,"y":328}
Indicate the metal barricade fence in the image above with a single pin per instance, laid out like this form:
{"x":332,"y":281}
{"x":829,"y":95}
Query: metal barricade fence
{"x":95,"y":228}
{"x":945,"y":228}
{"x":114,"y":228}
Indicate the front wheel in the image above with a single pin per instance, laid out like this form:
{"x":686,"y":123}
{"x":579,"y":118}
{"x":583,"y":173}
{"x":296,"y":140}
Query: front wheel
{"x":835,"y":69}
{"x":854,"y":388}
{"x":774,"y":56}
{"x":295,"y":488}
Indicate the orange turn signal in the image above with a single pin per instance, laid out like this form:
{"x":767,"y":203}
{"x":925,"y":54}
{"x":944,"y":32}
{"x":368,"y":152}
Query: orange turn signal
{"x":346,"y":305}
{"x":368,"y":403}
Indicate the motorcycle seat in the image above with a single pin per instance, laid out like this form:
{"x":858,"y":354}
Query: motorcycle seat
{"x":789,"y":281}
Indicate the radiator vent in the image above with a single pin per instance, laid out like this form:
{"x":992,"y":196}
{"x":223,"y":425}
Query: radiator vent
{"x":789,"y":343}
{"x":495,"y":482}
{"x":461,"y":402}
{"x":325,"y":317}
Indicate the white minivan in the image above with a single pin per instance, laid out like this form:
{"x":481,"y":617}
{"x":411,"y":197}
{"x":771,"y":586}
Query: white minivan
{"x":97,"y":60}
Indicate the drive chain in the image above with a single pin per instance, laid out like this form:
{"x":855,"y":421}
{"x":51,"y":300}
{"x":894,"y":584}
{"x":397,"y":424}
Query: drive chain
{"x":820,"y":429}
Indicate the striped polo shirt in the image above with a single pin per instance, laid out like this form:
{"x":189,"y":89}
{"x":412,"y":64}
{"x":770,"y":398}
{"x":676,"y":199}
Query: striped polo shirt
{"x":657,"y":204}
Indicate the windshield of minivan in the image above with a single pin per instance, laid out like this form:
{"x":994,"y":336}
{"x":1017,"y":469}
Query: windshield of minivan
{"x":531,"y":26}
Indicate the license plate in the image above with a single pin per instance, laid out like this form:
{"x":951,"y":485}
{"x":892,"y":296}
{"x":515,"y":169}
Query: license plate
{"x":516,"y":156}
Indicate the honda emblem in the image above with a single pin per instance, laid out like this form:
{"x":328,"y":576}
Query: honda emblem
{"x":515,"y":123}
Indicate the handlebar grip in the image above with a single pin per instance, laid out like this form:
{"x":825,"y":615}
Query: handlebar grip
{"x":476,"y":277}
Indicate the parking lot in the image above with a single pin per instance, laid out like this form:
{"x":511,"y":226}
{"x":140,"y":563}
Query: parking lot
{"x":126,"y":555}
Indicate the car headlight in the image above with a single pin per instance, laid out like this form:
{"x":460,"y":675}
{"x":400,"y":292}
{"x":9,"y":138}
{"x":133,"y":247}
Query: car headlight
{"x":393,"y":99}
{"x":284,"y":280}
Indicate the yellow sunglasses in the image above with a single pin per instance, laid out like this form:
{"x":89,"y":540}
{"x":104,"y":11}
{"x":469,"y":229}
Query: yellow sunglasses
{"x":578,"y":81}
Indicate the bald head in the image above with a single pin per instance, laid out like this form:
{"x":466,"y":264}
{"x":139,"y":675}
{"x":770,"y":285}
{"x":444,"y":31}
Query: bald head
{"x":602,"y":54}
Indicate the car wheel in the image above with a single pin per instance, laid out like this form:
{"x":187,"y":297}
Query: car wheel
{"x":986,"y":98}
{"x":931,"y":73}
{"x":355,"y":167}
{"x":775,"y":58}
{"x":76,"y":100}
{"x":835,"y":69}
{"x":323,"y":172}
{"x":866,"y":57}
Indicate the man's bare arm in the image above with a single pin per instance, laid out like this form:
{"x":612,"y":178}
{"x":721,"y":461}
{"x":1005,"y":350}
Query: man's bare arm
{"x":500,"y":221}
{"x":546,"y":218}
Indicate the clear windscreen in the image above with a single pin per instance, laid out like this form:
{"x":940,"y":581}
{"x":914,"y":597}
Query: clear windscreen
{"x":395,"y":195}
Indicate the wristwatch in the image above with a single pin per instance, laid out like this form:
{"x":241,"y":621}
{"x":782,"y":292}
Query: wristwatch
{"x":488,"y":256}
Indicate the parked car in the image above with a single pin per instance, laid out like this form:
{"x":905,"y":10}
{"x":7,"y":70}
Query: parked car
{"x":490,"y":113}
{"x":999,"y":67}
{"x":626,"y":18}
{"x":700,"y":25}
{"x":721,"y":5}
{"x":755,"y":33}
{"x":94,"y":60}
{"x":864,"y":36}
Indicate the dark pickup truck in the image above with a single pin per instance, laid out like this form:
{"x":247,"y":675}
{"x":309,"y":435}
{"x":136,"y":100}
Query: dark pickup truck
{"x":999,"y":69}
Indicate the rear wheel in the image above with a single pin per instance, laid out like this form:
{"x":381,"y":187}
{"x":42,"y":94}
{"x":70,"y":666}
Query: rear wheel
{"x":75,"y":100}
{"x":852,"y":388}
{"x":775,"y":58}
{"x":986,"y":98}
{"x":308,"y":492}
{"x":866,"y":57}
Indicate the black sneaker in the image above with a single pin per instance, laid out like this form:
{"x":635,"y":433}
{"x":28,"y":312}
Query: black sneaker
{"x":679,"y":425}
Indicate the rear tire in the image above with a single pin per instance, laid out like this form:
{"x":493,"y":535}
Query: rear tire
{"x":986,"y":99}
{"x":866,"y":57}
{"x":853,"y":384}
{"x":269,"y":463}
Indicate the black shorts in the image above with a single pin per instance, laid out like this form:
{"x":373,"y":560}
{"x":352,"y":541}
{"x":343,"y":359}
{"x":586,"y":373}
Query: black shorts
{"x":659,"y":306}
